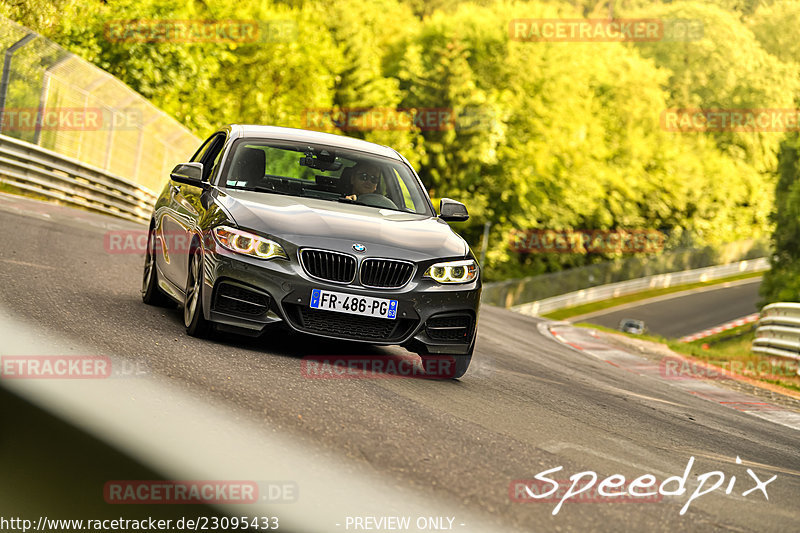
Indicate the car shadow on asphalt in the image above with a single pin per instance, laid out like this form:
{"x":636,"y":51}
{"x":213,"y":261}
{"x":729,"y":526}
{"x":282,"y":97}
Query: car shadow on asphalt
{"x":332,"y":357}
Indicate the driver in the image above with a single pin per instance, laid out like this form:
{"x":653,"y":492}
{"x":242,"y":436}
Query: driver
{"x":364,"y":179}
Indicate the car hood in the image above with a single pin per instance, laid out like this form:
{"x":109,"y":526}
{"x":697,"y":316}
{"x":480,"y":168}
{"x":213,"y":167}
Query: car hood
{"x":311,"y":222}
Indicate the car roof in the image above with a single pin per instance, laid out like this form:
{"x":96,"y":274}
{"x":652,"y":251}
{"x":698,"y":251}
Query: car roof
{"x":236,"y":131}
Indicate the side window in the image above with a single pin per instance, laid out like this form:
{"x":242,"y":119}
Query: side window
{"x":197,"y":157}
{"x":212,"y":155}
{"x":215,"y":164}
{"x":408,"y":202}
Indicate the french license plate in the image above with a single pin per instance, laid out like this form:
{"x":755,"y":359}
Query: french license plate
{"x":355,"y":305}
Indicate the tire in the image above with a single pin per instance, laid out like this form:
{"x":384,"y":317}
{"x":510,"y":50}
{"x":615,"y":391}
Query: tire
{"x":462,"y":362}
{"x":196,"y":324}
{"x":151,"y":293}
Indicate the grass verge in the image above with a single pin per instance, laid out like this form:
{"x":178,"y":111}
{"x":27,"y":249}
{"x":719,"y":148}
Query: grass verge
{"x":730,"y":351}
{"x":583,"y":309}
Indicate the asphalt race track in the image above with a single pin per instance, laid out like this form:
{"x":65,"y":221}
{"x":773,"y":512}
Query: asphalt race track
{"x":667,"y":316}
{"x":528,"y":403}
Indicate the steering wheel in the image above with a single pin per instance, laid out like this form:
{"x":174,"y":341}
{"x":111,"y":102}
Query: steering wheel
{"x":376,"y":200}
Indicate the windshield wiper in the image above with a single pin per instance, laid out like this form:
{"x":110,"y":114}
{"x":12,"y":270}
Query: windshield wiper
{"x":261,"y":188}
{"x":346,"y":200}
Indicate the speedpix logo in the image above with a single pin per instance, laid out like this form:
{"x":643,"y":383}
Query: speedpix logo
{"x":644,"y":488}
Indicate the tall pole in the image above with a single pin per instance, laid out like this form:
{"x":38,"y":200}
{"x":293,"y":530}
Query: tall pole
{"x":485,"y":242}
{"x":7,"y":72}
{"x":43,"y":98}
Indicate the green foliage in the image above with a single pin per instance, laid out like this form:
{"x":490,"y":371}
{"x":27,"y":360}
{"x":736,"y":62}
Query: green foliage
{"x":725,"y":69}
{"x":547,"y":135}
{"x":775,"y":27}
{"x":782,"y":281}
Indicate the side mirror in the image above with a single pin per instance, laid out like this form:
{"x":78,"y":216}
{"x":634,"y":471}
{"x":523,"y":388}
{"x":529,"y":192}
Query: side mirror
{"x":452,"y":210}
{"x":189,"y":173}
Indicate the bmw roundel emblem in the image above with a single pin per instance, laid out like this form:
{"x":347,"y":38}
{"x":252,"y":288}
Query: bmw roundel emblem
{"x":360,"y":248}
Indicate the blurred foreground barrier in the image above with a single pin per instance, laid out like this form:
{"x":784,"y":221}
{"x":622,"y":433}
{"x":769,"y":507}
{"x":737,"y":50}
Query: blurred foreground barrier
{"x":778,"y":332}
{"x":38,"y":170}
{"x":612,"y":290}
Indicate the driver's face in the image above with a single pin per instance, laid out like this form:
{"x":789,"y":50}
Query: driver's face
{"x":365,"y":179}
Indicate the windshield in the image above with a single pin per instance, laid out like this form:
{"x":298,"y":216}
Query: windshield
{"x":335,"y":174}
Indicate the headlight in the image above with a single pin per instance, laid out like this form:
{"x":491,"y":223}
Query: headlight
{"x":453,"y":271}
{"x":248,"y":243}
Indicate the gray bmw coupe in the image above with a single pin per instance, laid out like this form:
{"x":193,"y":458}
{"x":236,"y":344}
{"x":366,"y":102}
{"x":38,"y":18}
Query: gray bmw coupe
{"x":332,"y":236}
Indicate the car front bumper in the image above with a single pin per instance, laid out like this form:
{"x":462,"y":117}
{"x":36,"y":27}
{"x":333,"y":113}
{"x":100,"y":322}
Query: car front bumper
{"x":247,"y":294}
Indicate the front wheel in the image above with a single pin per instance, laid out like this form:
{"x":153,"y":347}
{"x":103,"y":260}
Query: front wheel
{"x":151,"y":293}
{"x":442,"y":366}
{"x":196,"y":324}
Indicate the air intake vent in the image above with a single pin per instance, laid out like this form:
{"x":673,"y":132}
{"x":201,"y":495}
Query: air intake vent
{"x":342,"y":325}
{"x":236,"y":300}
{"x":449,"y":327}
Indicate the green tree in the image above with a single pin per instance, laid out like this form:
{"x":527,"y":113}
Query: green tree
{"x":775,"y":27}
{"x":542,"y":135}
{"x":362,"y":38}
{"x":726,"y":69}
{"x":782,"y":282}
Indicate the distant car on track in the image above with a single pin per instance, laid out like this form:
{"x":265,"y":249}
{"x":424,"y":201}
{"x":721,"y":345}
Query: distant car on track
{"x":630,"y":325}
{"x":332,"y":236}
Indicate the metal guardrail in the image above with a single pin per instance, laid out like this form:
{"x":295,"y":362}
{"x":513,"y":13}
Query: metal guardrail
{"x":54,"y":99}
{"x":35,"y":169}
{"x":612,"y":290}
{"x":778,"y":331}
{"x":512,"y":292}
